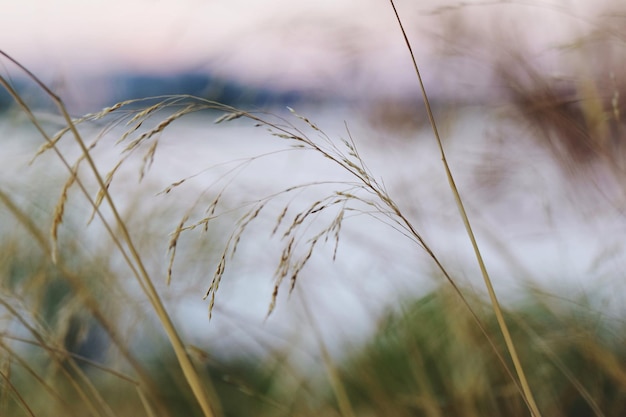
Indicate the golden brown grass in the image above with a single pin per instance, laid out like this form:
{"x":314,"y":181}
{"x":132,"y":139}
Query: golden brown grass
{"x":528,"y":395}
{"x":512,"y":351}
{"x":122,"y":238}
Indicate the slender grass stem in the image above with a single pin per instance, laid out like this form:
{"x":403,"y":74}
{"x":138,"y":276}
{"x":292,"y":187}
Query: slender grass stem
{"x":492,"y":294}
{"x":199,"y":387}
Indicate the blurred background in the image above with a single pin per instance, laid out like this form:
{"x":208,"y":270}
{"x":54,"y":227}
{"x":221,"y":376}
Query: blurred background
{"x":528,"y":97}
{"x":320,"y":50}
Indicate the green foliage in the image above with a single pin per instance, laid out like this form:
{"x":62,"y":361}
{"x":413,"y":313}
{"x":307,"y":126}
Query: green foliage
{"x":428,"y":360}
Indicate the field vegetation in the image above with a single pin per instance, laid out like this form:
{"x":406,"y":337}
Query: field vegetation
{"x":98,"y":256}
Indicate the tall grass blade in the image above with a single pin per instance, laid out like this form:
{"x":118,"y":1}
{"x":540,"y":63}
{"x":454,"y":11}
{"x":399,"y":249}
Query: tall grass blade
{"x":492,"y":294}
{"x":198,"y":386}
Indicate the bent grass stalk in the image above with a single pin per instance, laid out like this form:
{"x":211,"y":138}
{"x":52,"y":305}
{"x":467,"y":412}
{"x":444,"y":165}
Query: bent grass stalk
{"x":366,"y":190}
{"x":377,"y":201}
{"x":483,"y":269}
{"x":207,"y":401}
{"x":382,"y":207}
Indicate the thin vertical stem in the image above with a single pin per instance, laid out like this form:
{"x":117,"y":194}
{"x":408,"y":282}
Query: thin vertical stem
{"x":492,"y":294}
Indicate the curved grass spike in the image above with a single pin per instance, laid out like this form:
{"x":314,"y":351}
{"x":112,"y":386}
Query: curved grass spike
{"x":530,"y":401}
{"x":388,"y":209}
{"x":206,"y":400}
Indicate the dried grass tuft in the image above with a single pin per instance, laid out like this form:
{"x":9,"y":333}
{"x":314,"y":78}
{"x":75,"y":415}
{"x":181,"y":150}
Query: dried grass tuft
{"x":171,"y":247}
{"x":59,"y":210}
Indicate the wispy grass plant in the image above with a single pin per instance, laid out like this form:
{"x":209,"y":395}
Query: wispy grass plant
{"x":448,"y":353}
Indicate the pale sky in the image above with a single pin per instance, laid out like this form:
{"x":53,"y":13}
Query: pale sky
{"x":150,"y":34}
{"x":276,"y":41}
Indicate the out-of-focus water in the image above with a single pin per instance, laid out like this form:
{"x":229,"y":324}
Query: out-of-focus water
{"x":535,"y":226}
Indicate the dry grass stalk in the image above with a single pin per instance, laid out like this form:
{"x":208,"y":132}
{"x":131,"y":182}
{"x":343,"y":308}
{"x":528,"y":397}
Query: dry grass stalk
{"x":10,"y":388}
{"x":59,"y":210}
{"x":365,"y":196}
{"x":527,"y":393}
{"x":365,"y":190}
{"x":83,"y":296}
{"x":23,"y":363}
{"x":206,"y":399}
{"x":59,"y":356}
{"x":172,"y":247}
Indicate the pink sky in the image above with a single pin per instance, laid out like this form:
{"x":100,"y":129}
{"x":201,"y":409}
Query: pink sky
{"x":290,"y":42}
